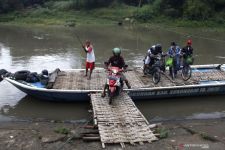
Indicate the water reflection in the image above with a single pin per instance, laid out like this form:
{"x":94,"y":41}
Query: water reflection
{"x":28,"y":108}
{"x":9,"y":95}
{"x":183,"y":108}
{"x":5,"y":56}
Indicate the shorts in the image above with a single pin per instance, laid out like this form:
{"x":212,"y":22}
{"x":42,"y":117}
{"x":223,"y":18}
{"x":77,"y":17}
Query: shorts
{"x":90,"y":65}
{"x":147,"y":60}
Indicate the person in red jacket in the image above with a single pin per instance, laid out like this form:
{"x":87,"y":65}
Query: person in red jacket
{"x":187,"y":51}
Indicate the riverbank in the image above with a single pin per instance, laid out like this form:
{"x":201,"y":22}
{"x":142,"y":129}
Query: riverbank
{"x":48,"y":135}
{"x":118,"y":15}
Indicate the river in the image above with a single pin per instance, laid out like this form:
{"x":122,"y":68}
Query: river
{"x":38,"y":48}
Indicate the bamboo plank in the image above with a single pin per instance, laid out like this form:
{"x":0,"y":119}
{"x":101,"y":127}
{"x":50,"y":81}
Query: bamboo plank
{"x":120,"y":122}
{"x":74,"y":80}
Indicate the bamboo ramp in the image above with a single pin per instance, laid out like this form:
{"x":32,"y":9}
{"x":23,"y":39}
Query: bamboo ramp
{"x":121,"y":122}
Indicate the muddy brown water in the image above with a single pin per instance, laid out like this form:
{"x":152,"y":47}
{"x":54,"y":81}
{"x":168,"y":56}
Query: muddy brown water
{"x":36,"y":49}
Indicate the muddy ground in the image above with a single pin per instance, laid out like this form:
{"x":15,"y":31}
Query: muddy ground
{"x":53,"y":135}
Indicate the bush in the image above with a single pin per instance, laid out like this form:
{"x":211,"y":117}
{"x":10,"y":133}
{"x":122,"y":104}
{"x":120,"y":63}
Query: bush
{"x":171,"y":12}
{"x":163,"y":132}
{"x":41,"y":12}
{"x":145,"y":13}
{"x":62,"y":130}
{"x":64,"y":5}
{"x":4,"y":18}
{"x":219,"y":17}
{"x":197,"y":10}
{"x":157,"y":6}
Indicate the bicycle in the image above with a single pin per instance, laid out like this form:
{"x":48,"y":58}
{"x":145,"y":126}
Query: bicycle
{"x":186,"y":69}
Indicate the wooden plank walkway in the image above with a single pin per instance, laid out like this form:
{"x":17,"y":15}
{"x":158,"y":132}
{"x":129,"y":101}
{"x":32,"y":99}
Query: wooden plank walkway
{"x":74,"y":80}
{"x":211,"y":75}
{"x":120,"y":122}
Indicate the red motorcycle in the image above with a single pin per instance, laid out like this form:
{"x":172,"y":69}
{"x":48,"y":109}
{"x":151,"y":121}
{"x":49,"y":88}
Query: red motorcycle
{"x":114,"y":83}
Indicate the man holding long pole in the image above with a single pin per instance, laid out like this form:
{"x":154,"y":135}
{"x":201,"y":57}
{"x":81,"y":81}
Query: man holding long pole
{"x":90,"y":60}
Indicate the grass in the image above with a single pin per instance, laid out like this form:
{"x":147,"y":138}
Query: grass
{"x":115,"y":14}
{"x":62,"y":130}
{"x":163,"y":132}
{"x":202,"y":135}
{"x":189,"y":130}
{"x":42,"y":16}
{"x":208,"y":137}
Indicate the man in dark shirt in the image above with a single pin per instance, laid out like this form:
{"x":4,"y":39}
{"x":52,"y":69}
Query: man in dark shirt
{"x":149,"y":58}
{"x":117,"y":61}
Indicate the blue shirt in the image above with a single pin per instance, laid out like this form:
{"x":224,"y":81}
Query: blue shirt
{"x":175,"y":52}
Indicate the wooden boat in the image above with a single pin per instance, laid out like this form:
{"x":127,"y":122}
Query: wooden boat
{"x":70,"y":85}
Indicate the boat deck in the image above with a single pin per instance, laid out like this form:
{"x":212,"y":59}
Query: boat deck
{"x":121,"y":122}
{"x":74,"y":80}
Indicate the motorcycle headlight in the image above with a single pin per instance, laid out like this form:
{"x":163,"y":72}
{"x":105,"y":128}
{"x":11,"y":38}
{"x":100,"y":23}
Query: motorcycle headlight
{"x":114,"y":71}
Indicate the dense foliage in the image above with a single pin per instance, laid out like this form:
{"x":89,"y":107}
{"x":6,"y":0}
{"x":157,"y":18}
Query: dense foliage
{"x":146,"y":9}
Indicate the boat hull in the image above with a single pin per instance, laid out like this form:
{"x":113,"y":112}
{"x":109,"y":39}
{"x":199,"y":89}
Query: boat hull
{"x":150,"y":93}
{"x":52,"y":95}
{"x":138,"y":94}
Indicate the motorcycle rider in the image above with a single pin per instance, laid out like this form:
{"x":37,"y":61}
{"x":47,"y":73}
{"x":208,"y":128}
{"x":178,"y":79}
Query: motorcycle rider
{"x":117,"y":61}
{"x":174,"y":52}
{"x":187,"y":51}
{"x":151,"y":53}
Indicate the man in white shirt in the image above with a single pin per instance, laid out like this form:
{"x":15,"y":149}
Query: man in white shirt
{"x":90,"y":60}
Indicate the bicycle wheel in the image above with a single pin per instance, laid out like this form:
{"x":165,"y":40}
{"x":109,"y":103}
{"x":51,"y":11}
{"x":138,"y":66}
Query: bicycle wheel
{"x":186,"y":73}
{"x":156,"y":76}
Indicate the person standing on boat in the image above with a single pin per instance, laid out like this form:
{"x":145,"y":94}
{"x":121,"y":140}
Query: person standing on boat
{"x":187,"y":53}
{"x":174,"y":52}
{"x":149,"y":58}
{"x":90,"y":60}
{"x":117,"y":61}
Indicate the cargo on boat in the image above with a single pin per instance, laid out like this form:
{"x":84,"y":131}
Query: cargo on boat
{"x":70,"y":85}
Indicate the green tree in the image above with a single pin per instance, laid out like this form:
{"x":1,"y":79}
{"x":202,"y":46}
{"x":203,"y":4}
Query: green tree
{"x":198,"y":10}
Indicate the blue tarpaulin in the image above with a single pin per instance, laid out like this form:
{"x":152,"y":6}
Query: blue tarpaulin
{"x":38,"y":84}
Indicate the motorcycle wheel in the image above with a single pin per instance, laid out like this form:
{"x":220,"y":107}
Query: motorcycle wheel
{"x":156,"y":76}
{"x":172,"y":72}
{"x":186,"y":73}
{"x":146,"y":70}
{"x":110,"y":95}
{"x":110,"y":99}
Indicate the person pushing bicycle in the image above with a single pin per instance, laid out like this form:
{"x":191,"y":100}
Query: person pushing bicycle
{"x":187,"y":53}
{"x":175,"y":52}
